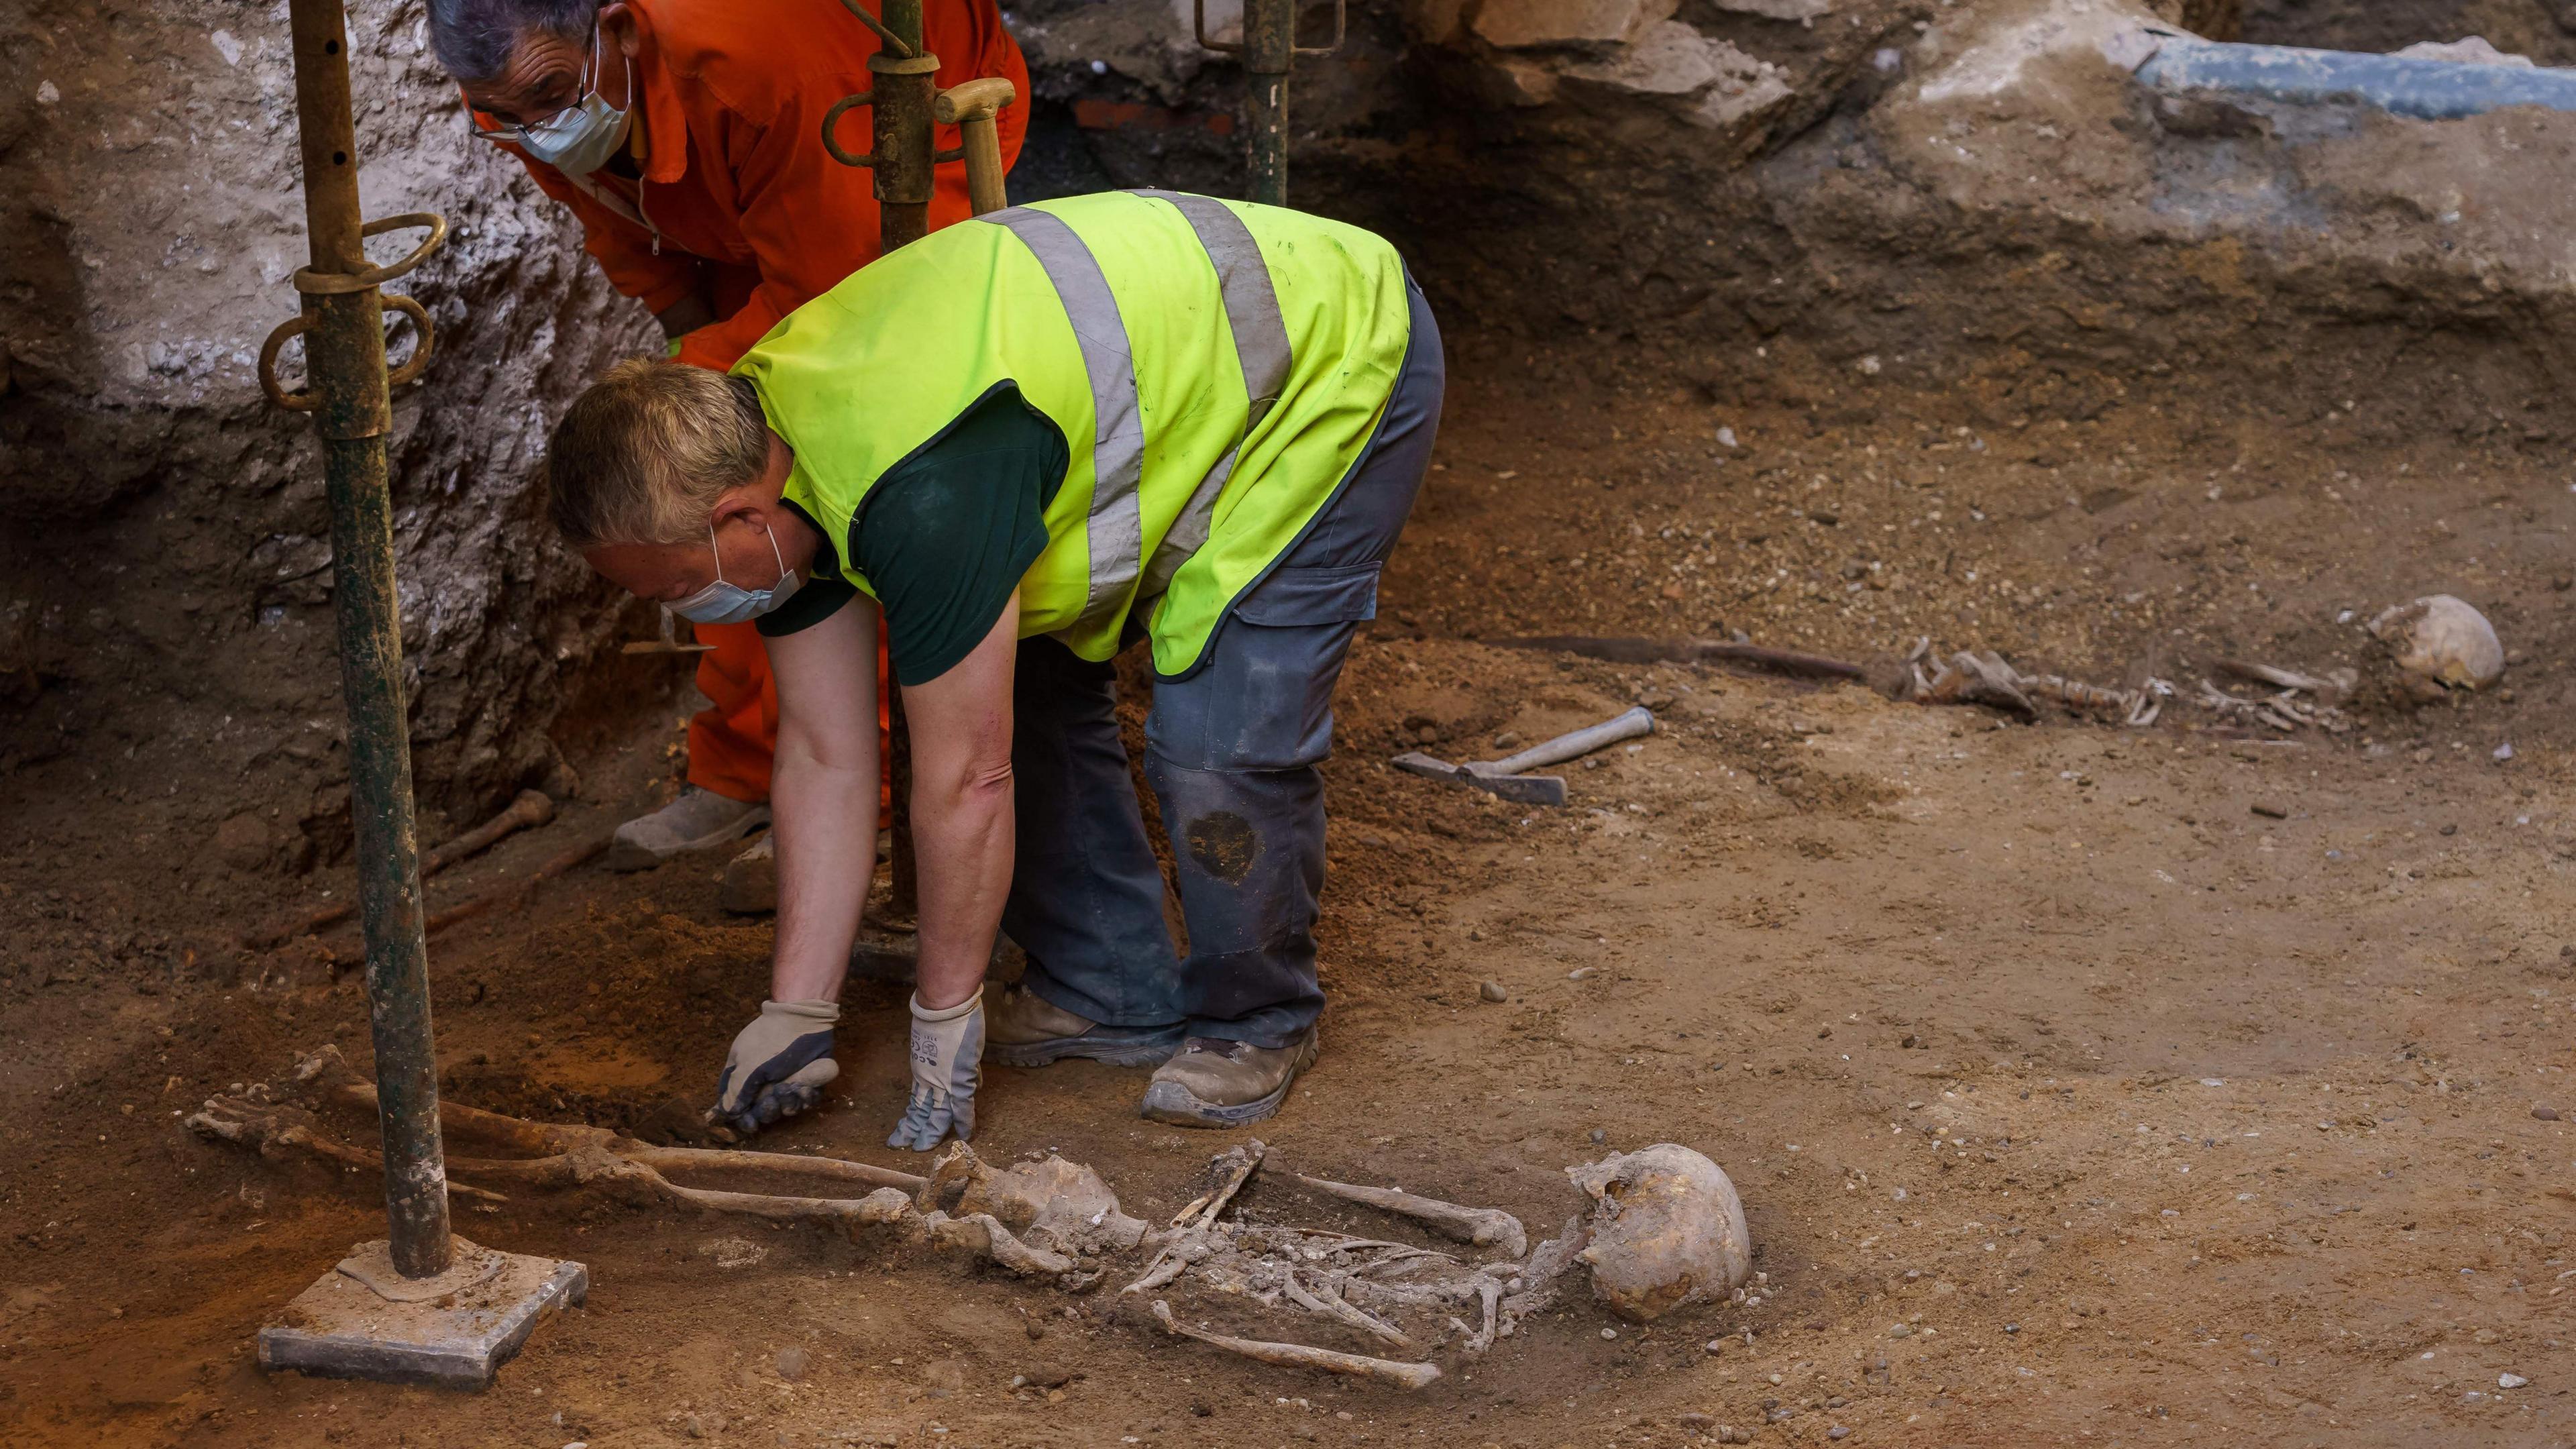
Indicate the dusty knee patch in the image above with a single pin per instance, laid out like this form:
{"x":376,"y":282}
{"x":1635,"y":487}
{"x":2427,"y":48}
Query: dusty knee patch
{"x":1224,"y":844}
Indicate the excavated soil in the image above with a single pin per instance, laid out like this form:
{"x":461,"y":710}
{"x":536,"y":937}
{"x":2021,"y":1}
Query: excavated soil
{"x":2084,"y":1085}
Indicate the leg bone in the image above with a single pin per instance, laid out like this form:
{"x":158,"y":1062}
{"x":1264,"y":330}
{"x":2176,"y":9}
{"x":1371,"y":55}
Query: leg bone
{"x":1298,"y":1355}
{"x":1484,"y":1227}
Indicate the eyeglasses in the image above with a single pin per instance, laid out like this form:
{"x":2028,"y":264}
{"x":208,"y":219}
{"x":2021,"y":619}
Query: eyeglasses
{"x":518,"y":130}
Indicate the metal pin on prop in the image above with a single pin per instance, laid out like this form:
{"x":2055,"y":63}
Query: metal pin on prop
{"x":1503,"y":777}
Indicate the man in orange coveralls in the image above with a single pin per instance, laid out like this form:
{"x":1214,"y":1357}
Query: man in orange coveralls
{"x":687,"y":136}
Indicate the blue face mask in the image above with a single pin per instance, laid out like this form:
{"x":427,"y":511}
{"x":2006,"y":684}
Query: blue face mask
{"x":724,"y":603}
{"x":583,"y":136}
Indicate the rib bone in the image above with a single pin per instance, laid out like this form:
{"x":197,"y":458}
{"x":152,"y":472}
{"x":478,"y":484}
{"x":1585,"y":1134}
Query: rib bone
{"x":1331,"y":1305}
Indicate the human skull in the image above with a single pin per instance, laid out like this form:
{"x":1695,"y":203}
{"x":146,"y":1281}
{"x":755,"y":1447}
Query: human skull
{"x":1667,"y":1231}
{"x":2442,"y":642}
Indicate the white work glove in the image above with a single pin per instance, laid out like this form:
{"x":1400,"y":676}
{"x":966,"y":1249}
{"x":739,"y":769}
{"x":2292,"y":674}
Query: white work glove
{"x":947,"y":1063}
{"x":779,"y":1064}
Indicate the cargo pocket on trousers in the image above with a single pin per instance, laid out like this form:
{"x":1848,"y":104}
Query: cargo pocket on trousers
{"x":1290,"y":596}
{"x":1264,"y":701}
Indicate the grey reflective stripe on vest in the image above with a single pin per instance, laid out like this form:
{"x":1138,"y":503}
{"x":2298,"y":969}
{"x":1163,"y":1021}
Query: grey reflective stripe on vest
{"x":1260,"y":345}
{"x":1116,"y":527}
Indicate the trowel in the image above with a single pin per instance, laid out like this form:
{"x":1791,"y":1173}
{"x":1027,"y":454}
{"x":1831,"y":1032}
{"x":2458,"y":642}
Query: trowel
{"x":1503,"y":777}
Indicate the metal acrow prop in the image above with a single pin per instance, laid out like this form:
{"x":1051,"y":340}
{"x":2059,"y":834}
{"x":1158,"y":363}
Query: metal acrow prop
{"x":1269,"y":49}
{"x":348,"y":392}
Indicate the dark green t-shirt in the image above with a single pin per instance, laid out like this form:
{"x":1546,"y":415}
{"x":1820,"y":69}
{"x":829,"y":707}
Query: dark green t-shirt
{"x":945,"y":536}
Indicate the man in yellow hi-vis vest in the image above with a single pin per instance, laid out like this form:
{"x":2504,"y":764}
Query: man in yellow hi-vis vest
{"x":1032,"y":439}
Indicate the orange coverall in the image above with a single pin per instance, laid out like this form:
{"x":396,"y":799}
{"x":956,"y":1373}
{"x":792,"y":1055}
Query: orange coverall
{"x":739,"y":202}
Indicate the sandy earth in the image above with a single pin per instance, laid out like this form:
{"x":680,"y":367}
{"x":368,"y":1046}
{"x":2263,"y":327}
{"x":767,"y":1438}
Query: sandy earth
{"x":2072,"y":1100}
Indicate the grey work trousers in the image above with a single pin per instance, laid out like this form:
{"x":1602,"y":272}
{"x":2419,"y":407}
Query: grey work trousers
{"x":1231,"y":753}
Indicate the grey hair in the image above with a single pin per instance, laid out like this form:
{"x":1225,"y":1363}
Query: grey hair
{"x":474,"y":38}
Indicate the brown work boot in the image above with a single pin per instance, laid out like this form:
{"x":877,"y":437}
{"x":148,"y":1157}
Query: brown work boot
{"x":697,"y":820}
{"x":1023,"y":1029}
{"x":1218,"y":1083}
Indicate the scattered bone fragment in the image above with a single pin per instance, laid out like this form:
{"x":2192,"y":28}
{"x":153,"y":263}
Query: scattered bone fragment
{"x":984,"y":1236}
{"x":1298,"y":1355}
{"x":1979,"y":678}
{"x":1490,"y":1294}
{"x":2332,"y":687}
{"x":1169,"y":1263}
{"x":2136,"y":708}
{"x":2284,"y":711}
{"x":1187,"y":1240}
{"x":1051,"y":1203}
{"x":1667,"y":1231}
{"x":1326,"y":1301}
{"x":1484,"y":1227}
{"x":1542,"y":1276}
{"x":1239,"y":1164}
{"x":2442,"y":643}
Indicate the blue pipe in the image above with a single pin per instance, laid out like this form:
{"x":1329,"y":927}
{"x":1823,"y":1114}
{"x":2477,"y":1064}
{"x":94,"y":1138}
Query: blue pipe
{"x":2431,"y":90}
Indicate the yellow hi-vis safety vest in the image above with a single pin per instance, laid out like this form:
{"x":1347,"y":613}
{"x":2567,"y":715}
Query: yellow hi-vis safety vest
{"x":1216,"y":369}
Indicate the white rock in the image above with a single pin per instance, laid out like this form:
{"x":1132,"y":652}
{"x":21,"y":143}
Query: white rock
{"x":2510,"y":1381}
{"x":2001,"y":59}
{"x":2467,"y":50}
{"x":2443,"y":641}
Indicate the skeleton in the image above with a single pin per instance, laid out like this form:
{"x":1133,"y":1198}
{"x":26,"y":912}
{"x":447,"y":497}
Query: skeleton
{"x":1985,"y":678}
{"x":1049,"y":1220}
{"x":545,"y":1155}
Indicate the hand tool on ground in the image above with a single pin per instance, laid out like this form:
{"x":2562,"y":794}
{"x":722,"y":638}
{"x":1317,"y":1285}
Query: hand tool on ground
{"x":1503,"y":777}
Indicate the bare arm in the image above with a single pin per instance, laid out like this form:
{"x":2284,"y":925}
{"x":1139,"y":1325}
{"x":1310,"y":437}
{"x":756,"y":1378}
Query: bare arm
{"x":962,"y":825}
{"x":823,"y":794}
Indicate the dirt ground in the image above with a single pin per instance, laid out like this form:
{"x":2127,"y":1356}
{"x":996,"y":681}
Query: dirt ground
{"x":2084,"y":1085}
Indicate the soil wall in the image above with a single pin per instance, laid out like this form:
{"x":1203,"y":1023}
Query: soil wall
{"x":1767,"y":201}
{"x":164,"y":583}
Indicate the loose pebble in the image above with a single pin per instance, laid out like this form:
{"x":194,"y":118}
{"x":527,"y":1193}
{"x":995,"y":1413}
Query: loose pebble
{"x":2271,"y":810}
{"x":793,"y":1361}
{"x":1047,"y":1375}
{"x":1492,"y":991}
{"x":1609,"y":1333}
{"x":2545,"y":1113}
{"x":1901,"y":1331}
{"x":2510,"y":1381}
